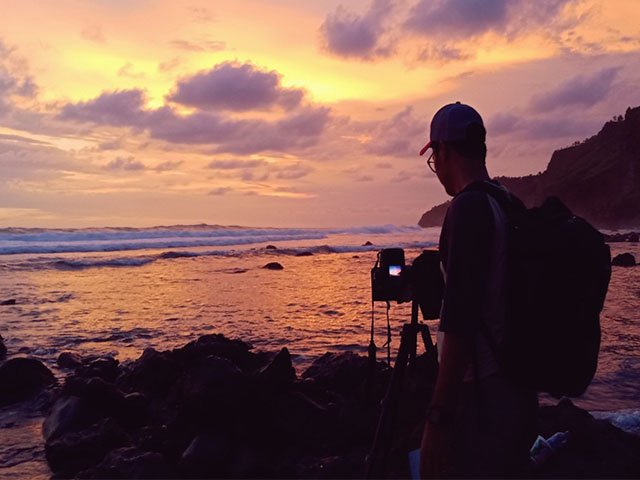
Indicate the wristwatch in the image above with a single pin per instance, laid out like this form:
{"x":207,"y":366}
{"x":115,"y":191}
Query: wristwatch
{"x":439,"y":416}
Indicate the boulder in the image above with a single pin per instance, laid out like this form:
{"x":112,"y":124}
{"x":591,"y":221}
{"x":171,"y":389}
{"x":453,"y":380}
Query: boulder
{"x":68,"y":414}
{"x":130,"y":462}
{"x":304,"y":254}
{"x":21,"y":378}
{"x":273,"y":266}
{"x":595,"y":448}
{"x":154,"y":373}
{"x":270,"y":247}
{"x":237,"y":351}
{"x":3,"y":348}
{"x":11,"y":301}
{"x":280,"y":371}
{"x":624,"y":260}
{"x":367,"y":244}
{"x":341,"y":372}
{"x":105,"y":368}
{"x":72,"y":452}
{"x":207,"y":456}
{"x":633,"y":237}
{"x":69,"y":360}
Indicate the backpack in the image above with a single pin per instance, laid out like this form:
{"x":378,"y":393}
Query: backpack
{"x":559,"y":269}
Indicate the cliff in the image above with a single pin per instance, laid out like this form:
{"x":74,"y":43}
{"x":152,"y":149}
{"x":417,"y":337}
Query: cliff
{"x":598,"y":179}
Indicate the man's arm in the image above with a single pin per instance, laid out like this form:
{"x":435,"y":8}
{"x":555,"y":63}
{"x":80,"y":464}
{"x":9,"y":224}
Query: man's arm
{"x":435,"y":451}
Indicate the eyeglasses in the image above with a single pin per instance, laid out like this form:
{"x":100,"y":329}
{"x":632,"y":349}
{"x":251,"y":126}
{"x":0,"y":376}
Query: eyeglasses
{"x":432,"y":162}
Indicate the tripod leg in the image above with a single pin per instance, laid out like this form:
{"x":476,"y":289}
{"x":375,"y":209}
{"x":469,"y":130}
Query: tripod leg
{"x":378,"y":457}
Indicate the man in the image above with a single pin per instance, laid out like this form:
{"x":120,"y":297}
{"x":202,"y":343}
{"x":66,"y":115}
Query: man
{"x":479,"y":423}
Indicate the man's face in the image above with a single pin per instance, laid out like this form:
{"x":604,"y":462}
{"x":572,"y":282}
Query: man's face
{"x":441,"y":162}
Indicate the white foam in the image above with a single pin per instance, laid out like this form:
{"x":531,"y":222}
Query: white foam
{"x":627,"y":420}
{"x":42,"y":241}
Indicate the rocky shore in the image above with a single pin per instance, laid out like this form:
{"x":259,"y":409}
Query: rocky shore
{"x":216,"y":409}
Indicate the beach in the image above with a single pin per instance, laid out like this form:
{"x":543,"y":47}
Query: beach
{"x":110,"y":294}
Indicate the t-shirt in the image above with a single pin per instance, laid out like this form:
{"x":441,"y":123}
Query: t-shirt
{"x":473,"y":252}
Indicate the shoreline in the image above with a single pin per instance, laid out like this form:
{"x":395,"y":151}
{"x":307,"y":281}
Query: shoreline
{"x":213,"y":407}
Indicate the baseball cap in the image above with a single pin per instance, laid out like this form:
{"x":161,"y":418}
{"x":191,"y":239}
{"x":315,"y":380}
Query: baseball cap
{"x":451,"y":122}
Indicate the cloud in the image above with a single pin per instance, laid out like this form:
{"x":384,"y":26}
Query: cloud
{"x":127,"y":164}
{"x":168,"y":165}
{"x":127,"y":71}
{"x":234,"y":164}
{"x":198,"y":46}
{"x":400,"y":136}
{"x":119,"y":108}
{"x":169,"y":65}
{"x":579,"y":91}
{"x":461,"y":19}
{"x":441,"y":53}
{"x":219,"y":191}
{"x":292,"y":172}
{"x":93,"y":33}
{"x":291,"y":130}
{"x":237,"y":87}
{"x":201,"y":14}
{"x":384,"y":165}
{"x":358,"y":36}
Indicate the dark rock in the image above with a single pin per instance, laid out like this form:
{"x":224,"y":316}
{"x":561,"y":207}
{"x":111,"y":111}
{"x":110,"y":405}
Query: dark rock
{"x":72,"y":452}
{"x":130,"y":462}
{"x":218,"y":345}
{"x":273,"y":266}
{"x":69,"y":360}
{"x":624,"y":260}
{"x":21,"y":378}
{"x":304,"y":254}
{"x":367,"y":244}
{"x":633,"y":237}
{"x":298,"y":418}
{"x":11,"y":301}
{"x":211,"y":374}
{"x":342,"y":372}
{"x":153,"y":373}
{"x":68,"y":414}
{"x":270,"y":247}
{"x":595,"y":448}
{"x":355,"y":256}
{"x":3,"y":348}
{"x":280,"y":371}
{"x":206,"y":456}
{"x":105,"y":368}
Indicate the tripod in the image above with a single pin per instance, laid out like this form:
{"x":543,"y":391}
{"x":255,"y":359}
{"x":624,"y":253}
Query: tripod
{"x":378,"y":458}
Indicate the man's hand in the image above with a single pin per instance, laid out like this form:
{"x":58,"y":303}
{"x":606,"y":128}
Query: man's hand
{"x":436,"y":450}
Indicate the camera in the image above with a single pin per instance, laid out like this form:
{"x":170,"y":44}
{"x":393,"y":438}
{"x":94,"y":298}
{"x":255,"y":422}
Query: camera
{"x":422,"y":282}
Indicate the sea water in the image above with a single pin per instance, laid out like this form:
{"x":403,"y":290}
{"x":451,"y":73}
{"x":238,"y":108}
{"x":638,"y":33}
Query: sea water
{"x":117,"y":291}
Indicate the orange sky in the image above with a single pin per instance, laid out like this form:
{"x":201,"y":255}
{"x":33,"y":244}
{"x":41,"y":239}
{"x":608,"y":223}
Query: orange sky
{"x":288,"y":113}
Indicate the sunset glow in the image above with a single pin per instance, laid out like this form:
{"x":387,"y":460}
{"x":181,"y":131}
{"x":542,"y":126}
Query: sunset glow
{"x":287,"y":113}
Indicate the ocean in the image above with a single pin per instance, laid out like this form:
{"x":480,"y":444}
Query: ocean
{"x":117,"y":291}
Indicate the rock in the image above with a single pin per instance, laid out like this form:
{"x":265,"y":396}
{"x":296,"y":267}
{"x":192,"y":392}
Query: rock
{"x":280,"y":371}
{"x":130,"y":462}
{"x":11,"y":301}
{"x":68,"y":414}
{"x":270,"y":247}
{"x":633,"y":237}
{"x":206,"y":456}
{"x":218,"y":345}
{"x":624,"y":260}
{"x":72,"y":452}
{"x":21,"y":378}
{"x":304,"y":254}
{"x":595,"y":448}
{"x":355,"y":256}
{"x":105,"y":368}
{"x":367,"y":244}
{"x":342,"y":372}
{"x":153,"y":373}
{"x":69,"y":360}
{"x":273,"y":266}
{"x":3,"y":348}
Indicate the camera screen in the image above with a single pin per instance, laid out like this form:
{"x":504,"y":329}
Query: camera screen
{"x":394,"y":270}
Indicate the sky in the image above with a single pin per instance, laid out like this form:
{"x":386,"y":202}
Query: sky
{"x":288,"y":112}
